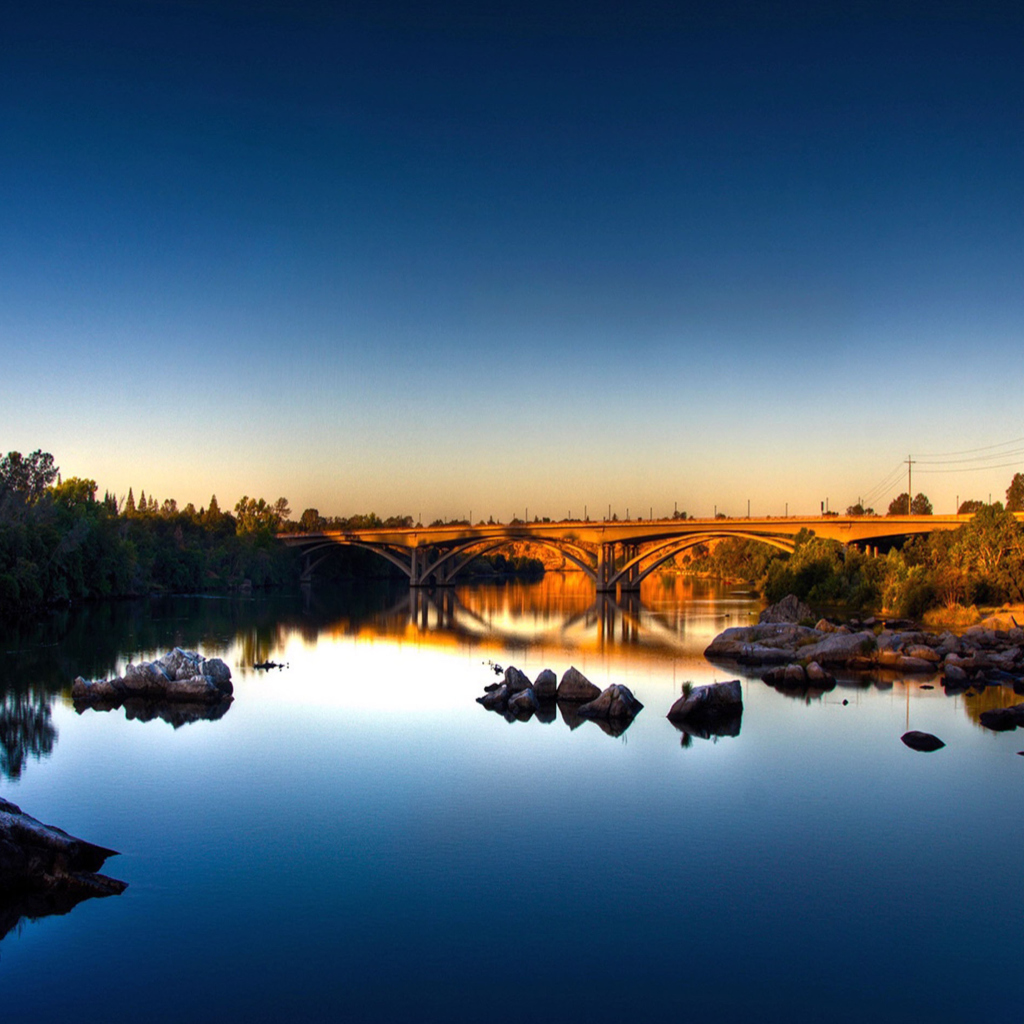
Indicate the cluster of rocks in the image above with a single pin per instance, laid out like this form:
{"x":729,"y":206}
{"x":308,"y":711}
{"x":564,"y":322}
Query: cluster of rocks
{"x":978,"y":657}
{"x":517,"y":698}
{"x":43,"y":870}
{"x":704,"y":711}
{"x":179,"y":677}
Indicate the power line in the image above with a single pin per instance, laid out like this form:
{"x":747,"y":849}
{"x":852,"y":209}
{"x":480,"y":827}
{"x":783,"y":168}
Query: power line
{"x":971,"y":451}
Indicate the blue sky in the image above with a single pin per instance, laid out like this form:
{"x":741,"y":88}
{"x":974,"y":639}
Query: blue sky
{"x":485,"y":258}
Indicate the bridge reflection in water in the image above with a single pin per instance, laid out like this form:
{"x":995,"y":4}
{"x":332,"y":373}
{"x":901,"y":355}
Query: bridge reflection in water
{"x":671,"y":616}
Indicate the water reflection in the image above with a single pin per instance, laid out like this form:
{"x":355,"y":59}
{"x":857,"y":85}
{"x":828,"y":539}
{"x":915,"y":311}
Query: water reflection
{"x":26,"y":730}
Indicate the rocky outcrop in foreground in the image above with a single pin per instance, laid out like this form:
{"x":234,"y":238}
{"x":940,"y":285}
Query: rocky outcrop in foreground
{"x":43,"y":870}
{"x":705,"y":711}
{"x":179,"y":676}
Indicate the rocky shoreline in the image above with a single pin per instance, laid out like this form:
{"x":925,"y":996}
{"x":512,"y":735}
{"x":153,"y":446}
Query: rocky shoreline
{"x":798,"y":654}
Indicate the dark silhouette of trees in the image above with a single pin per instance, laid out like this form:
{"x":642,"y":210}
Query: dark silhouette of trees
{"x":1015,"y":494}
{"x":902,"y":505}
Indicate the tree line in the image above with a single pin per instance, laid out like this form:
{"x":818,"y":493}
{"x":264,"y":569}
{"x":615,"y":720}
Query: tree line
{"x":981,"y":562}
{"x":59,"y":542}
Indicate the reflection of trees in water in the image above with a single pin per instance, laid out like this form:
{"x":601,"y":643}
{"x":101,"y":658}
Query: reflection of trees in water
{"x":26,"y":730}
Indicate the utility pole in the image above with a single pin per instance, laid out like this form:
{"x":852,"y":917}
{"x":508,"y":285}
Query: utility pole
{"x":748,"y":508}
{"x":910,"y":489}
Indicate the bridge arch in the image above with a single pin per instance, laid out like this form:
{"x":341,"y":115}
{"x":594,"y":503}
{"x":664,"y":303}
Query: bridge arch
{"x":482,"y":545}
{"x":670,"y":548}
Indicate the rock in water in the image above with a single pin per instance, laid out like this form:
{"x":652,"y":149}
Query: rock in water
{"x":546,"y":685}
{"x":714,"y":699}
{"x":43,"y":870}
{"x":523,"y":704}
{"x":1003,"y":719}
{"x":789,"y":609}
{"x":177,"y":676}
{"x":615,"y":702}
{"x":575,"y":686}
{"x":516,"y":680}
{"x":923,"y":741}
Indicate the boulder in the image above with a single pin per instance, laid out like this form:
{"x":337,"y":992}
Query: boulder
{"x":523,"y":704}
{"x":907,"y":663}
{"x":1003,"y":719}
{"x":923,"y":741}
{"x":495,"y":699}
{"x":516,"y":680}
{"x":38,"y":858}
{"x":546,"y":685}
{"x":789,"y":609}
{"x":713,"y":699}
{"x":922,"y":652}
{"x":616,"y":701}
{"x":816,"y":674}
{"x":575,"y":686}
{"x":840,"y":648}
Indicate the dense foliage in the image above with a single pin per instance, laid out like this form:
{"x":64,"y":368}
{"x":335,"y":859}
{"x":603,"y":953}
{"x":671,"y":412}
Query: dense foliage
{"x":59,"y":543}
{"x":982,"y":562}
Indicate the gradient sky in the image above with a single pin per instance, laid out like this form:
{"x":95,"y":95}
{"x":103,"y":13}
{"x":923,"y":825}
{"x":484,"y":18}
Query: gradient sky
{"x":434,"y":259}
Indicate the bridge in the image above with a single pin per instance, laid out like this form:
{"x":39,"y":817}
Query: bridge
{"x":614,"y":554}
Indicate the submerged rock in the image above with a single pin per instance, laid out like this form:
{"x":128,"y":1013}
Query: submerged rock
{"x":923,"y":741}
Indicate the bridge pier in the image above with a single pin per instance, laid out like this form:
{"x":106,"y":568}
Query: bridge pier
{"x":605,"y":568}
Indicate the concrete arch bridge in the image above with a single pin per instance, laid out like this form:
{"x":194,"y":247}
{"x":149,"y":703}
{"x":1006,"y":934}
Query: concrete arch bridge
{"x":615,"y":555}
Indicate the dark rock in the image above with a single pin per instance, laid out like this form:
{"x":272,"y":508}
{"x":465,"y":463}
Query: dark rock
{"x":789,"y":609}
{"x":575,"y":686}
{"x":516,"y":680}
{"x":1003,"y":719}
{"x":523,"y":704}
{"x":43,"y":870}
{"x":614,"y":702}
{"x":923,"y":741}
{"x":495,"y":699}
{"x":701,"y":702}
{"x":546,"y":685}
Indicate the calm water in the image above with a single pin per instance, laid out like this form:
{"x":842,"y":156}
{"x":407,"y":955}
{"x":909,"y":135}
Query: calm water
{"x":356,"y":839}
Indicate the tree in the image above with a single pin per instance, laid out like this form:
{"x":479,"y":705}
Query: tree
{"x":27,"y":476}
{"x":129,"y":505}
{"x":309,"y":521}
{"x":969,"y":507}
{"x":1015,"y":494}
{"x":900,"y":505}
{"x":920,"y":506}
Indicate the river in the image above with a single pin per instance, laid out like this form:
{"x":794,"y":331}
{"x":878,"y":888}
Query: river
{"x":357,"y":839}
